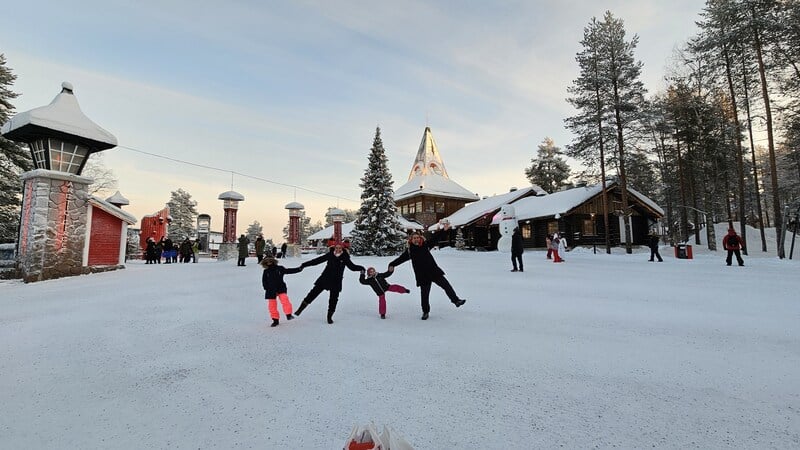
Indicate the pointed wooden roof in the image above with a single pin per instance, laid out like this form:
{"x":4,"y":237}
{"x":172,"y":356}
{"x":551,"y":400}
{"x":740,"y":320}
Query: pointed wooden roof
{"x":429,"y":176}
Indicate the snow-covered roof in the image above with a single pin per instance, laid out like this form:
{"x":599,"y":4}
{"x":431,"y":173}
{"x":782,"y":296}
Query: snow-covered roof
{"x":433,"y":184}
{"x":563,"y":201}
{"x":61,"y":118}
{"x":113,"y":210}
{"x":429,"y":176}
{"x":118,"y":199}
{"x":294,"y":205}
{"x":473,"y":211}
{"x":231,"y":195}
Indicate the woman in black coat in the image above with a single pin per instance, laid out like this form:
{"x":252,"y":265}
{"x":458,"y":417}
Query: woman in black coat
{"x":335,"y":261}
{"x":516,"y":250}
{"x":426,"y":271}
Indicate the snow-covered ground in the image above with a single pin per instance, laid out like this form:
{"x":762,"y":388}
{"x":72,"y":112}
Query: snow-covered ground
{"x":600,"y":351}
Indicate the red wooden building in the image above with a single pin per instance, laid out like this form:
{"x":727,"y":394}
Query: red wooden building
{"x":106,"y":234}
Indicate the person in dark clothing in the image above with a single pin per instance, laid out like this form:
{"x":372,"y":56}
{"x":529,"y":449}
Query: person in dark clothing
{"x":150,"y":251}
{"x":653,"y":242}
{"x":516,"y":250}
{"x":377,"y":281}
{"x":733,"y":244}
{"x":244,"y":249}
{"x":167,"y":250}
{"x":275,"y":288}
{"x":426,"y":271}
{"x":283,"y":250}
{"x":335,"y":261}
{"x":261,"y":245}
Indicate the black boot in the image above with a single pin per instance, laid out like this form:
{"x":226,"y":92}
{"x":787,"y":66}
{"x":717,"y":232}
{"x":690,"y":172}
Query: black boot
{"x":459,"y":302}
{"x":330,"y":317}
{"x":424,"y":316}
{"x":274,"y":323}
{"x":301,"y":308}
{"x":289,"y":317}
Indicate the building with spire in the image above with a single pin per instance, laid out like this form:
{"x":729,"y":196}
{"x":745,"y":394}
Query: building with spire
{"x":430,"y":195}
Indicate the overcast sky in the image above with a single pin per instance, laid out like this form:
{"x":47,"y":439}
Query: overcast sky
{"x":291,"y":92}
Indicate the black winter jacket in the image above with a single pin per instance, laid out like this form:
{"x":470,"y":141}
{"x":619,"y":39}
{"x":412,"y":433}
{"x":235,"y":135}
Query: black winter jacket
{"x":425,"y":268}
{"x":377,"y":282}
{"x":516,"y":242}
{"x":331,"y":277}
{"x":272,"y":280}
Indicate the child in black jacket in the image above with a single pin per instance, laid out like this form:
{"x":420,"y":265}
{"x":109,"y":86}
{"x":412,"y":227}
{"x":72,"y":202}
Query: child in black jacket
{"x":275,"y":288}
{"x":378,"y":283}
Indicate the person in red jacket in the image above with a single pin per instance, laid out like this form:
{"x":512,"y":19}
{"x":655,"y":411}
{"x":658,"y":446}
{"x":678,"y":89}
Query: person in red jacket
{"x":733,"y":244}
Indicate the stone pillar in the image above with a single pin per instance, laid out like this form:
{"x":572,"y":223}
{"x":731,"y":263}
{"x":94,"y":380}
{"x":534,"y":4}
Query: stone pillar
{"x":295,"y":213}
{"x":228,"y":249}
{"x":53,"y":225}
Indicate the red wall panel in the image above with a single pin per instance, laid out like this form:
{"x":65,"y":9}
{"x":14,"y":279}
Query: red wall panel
{"x":104,"y":238}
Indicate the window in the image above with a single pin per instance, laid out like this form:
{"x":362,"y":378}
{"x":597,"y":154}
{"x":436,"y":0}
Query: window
{"x":588,"y":227}
{"x":419,"y":206}
{"x":411,"y":208}
{"x":429,"y":207}
{"x":526,"y":231}
{"x":405,"y":210}
{"x":439,"y":207}
{"x":552,"y":227}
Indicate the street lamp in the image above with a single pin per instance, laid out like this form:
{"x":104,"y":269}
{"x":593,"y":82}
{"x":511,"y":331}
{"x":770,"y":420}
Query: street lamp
{"x":594,"y":233}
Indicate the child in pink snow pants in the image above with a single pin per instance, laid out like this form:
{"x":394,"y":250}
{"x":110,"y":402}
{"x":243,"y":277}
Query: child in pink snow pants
{"x":378,"y":283}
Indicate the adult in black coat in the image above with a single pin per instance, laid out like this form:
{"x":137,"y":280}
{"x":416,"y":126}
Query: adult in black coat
{"x":516,"y":250}
{"x":653,"y":242}
{"x":335,"y":261}
{"x":426,"y":271}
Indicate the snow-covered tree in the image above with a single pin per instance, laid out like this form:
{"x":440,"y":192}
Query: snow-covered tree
{"x":253,"y":230}
{"x":14,"y":159}
{"x":377,"y":230}
{"x":548,"y":170}
{"x":460,"y":244}
{"x":183,"y":211}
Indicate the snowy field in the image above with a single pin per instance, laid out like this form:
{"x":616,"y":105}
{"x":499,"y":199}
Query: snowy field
{"x":600,"y":351}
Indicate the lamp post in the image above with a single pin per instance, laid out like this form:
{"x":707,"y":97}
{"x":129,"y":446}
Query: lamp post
{"x":594,"y":234}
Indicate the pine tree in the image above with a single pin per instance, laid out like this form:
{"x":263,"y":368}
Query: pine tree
{"x":377,"y":229}
{"x":14,"y":159}
{"x":460,"y":244}
{"x":253,"y":230}
{"x":183,"y":211}
{"x":548,"y":170}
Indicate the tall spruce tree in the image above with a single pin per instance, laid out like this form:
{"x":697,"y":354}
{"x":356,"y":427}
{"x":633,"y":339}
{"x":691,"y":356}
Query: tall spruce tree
{"x":377,"y":229}
{"x":14,"y":159}
{"x":183,"y":211}
{"x":548,"y":170}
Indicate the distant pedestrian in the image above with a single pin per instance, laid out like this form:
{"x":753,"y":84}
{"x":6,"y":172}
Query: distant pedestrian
{"x":554,"y":247}
{"x":548,"y":242}
{"x":733,"y":243}
{"x":283,"y":250}
{"x":244,"y":249}
{"x":335,"y":261}
{"x":516,"y":250}
{"x":654,"y":242}
{"x":275,"y":288}
{"x":195,"y":250}
{"x":426,"y":271}
{"x":377,"y":281}
{"x":261,"y":245}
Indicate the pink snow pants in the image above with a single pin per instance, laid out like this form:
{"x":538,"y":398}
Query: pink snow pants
{"x":272,"y":304}
{"x":382,"y":298}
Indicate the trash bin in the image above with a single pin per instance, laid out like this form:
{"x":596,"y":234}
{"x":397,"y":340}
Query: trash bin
{"x":683,"y":251}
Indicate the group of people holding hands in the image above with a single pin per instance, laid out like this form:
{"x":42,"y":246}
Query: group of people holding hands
{"x":426,"y":272}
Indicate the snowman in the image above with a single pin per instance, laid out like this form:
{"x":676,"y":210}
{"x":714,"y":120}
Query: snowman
{"x":508,"y":222}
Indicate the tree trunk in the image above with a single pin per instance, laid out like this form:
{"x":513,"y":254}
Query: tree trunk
{"x":776,"y":202}
{"x":739,"y":150}
{"x":753,"y":154}
{"x":623,"y":185}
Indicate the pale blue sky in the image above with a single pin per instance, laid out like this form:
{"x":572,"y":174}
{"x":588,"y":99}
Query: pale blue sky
{"x":293,"y":91}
